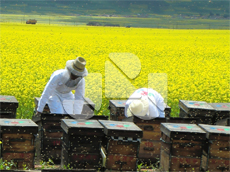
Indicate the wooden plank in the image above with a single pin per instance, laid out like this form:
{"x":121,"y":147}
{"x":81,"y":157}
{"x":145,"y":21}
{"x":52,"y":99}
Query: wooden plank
{"x":184,"y":148}
{"x":84,"y":161}
{"x":79,"y":139}
{"x":121,"y":162}
{"x":8,"y":114}
{"x":122,"y":147}
{"x":121,"y":128}
{"x":219,"y":149}
{"x":17,"y":143}
{"x":215,"y":164}
{"x":173,"y":163}
{"x":83,"y":148}
{"x":149,"y":149}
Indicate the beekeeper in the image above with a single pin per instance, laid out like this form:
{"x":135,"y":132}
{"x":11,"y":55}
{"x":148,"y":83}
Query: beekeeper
{"x":145,"y":103}
{"x":58,"y":90}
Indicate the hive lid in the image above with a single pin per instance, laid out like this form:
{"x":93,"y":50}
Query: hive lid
{"x":71,"y":124}
{"x":221,"y":106}
{"x":183,"y":131}
{"x":215,"y":130}
{"x":118,"y":103}
{"x":191,"y":105}
{"x":5,"y":122}
{"x":121,"y":128}
{"x":8,"y":99}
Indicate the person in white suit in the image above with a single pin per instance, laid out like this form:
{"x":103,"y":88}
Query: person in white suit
{"x":60,"y":85}
{"x":145,"y":103}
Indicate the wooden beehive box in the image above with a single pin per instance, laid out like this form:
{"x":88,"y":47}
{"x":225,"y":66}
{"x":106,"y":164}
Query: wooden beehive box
{"x":201,"y":109}
{"x":81,"y":143}
{"x":150,"y":146}
{"x":8,"y":106}
{"x":123,"y":141}
{"x":181,"y":147}
{"x":18,"y":137}
{"x":167,"y":111}
{"x":216,"y":154}
{"x":117,"y":109}
{"x":190,"y":120}
{"x":222,"y":111}
{"x":224,"y":122}
{"x":49,"y":139}
{"x":88,"y":107}
{"x":46,"y":108}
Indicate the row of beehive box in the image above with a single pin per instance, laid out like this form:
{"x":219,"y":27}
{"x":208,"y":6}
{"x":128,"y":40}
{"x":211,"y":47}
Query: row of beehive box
{"x":183,"y":147}
{"x":9,"y":105}
{"x":49,"y":137}
{"x":199,"y":111}
{"x":84,"y":144}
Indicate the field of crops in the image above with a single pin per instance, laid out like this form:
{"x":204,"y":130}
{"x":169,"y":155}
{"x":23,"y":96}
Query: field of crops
{"x":194,"y":64}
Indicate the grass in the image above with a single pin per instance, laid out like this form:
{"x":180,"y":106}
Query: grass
{"x":156,"y":21}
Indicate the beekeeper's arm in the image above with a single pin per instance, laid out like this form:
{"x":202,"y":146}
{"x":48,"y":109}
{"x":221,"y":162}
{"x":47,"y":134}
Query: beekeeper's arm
{"x":80,"y":90}
{"x":48,"y":91}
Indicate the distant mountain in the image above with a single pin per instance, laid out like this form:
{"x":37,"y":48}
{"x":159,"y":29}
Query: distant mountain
{"x":116,"y":7}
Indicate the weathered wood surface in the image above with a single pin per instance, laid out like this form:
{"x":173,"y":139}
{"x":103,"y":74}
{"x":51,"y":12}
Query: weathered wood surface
{"x":81,"y":143}
{"x":172,"y":163}
{"x":216,"y":154}
{"x":149,"y":150}
{"x":122,"y":147}
{"x":17,"y":136}
{"x":121,"y":162}
{"x":78,"y":160}
{"x":215,"y":164}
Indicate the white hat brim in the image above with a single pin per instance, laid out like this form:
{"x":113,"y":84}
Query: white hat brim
{"x":75,"y":72}
{"x":144,"y":112}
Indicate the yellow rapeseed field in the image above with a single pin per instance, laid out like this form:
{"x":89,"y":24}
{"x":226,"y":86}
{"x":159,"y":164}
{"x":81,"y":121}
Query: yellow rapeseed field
{"x":192,"y":64}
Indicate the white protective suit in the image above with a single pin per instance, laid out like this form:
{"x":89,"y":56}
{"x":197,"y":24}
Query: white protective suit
{"x":156,"y":102}
{"x":58,"y":89}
